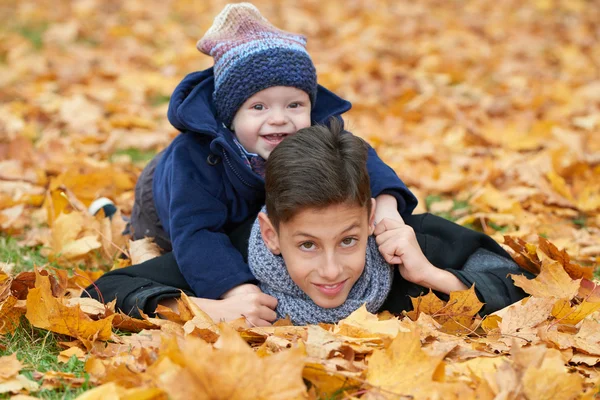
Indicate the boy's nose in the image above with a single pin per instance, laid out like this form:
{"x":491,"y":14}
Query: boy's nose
{"x":330,"y":269}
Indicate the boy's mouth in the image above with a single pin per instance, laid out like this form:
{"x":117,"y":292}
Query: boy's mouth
{"x":332,"y":289}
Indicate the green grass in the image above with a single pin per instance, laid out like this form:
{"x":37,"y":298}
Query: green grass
{"x":453,"y":214}
{"x":159,"y":99}
{"x":33,"y":33}
{"x":38,"y":349}
{"x":137,"y":156}
{"x":24,"y":258}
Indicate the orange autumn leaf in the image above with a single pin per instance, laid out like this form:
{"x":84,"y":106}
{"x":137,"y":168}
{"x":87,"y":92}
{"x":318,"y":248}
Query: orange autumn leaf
{"x":48,"y":312}
{"x":553,"y":281}
{"x":575,"y":271}
{"x":10,"y":316}
{"x":233,"y":371}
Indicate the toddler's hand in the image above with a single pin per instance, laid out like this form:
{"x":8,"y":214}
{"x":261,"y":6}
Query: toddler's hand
{"x":398,"y":245}
{"x":386,"y":207}
{"x":258,"y":308}
{"x":245,"y":288}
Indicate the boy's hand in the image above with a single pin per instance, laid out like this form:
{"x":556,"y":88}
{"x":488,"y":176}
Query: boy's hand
{"x":398,"y":245}
{"x":245,"y":288}
{"x":386,"y":206}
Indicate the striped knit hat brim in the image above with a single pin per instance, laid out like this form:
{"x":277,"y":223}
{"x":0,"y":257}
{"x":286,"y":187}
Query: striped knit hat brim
{"x":252,"y":55}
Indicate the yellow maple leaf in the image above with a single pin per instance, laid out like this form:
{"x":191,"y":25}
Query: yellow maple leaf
{"x":403,"y":368}
{"x":429,"y":304}
{"x":232,"y":371}
{"x":456,"y":315}
{"x":551,"y":380}
{"x":572,"y":315}
{"x":362,"y":324}
{"x":47,"y":312}
{"x":553,"y":281}
{"x":113,"y":391}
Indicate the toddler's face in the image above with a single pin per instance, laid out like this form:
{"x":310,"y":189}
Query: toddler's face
{"x":270,"y":115}
{"x":324,"y":249}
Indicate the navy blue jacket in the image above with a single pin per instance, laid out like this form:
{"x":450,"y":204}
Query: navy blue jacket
{"x":202,"y":188}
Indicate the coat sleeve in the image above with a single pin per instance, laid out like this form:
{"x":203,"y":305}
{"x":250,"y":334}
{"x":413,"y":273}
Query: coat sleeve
{"x":195,"y":222}
{"x":385,"y":181}
{"x":140,"y":287}
{"x":490,"y":274}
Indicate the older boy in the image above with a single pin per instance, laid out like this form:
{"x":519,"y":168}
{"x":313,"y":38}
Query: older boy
{"x":313,"y":249}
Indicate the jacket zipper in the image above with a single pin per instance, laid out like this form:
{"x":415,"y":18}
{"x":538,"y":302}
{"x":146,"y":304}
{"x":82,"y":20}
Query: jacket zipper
{"x":234,"y":170}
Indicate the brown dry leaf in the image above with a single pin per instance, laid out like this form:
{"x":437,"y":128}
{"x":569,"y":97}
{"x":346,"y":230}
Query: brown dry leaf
{"x":10,"y":316}
{"x":47,"y":312}
{"x":142,"y":250}
{"x":520,"y":319}
{"x":525,"y":254}
{"x":575,"y":271}
{"x":552,"y":282}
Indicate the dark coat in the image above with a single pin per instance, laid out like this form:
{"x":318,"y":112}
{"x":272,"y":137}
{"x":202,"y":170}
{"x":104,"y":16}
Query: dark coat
{"x":445,"y":244}
{"x":198,"y":189}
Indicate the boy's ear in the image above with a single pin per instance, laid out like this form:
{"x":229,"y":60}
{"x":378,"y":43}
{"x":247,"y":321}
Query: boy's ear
{"x":372,"y":217}
{"x":268,"y":233}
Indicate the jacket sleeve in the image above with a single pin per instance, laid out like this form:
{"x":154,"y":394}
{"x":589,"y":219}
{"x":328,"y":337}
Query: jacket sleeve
{"x":385,"y":181}
{"x":140,"y":287}
{"x":196,"y":216}
{"x":490,"y":274}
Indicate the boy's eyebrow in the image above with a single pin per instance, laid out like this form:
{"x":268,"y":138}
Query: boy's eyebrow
{"x":353,"y":226}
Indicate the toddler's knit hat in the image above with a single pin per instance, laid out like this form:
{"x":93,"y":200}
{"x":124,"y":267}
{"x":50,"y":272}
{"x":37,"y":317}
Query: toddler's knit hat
{"x":252,"y":55}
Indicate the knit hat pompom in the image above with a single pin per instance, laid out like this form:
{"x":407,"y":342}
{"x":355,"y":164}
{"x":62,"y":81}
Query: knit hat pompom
{"x":252,"y":55}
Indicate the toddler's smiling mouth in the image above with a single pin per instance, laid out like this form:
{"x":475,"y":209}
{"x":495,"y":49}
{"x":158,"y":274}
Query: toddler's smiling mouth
{"x":275,"y":138}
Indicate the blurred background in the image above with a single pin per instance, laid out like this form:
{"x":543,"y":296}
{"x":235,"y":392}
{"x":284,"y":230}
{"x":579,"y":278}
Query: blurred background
{"x":488,"y":110}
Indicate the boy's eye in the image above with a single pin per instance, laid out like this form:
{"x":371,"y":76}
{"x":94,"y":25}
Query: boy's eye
{"x":348,"y":242}
{"x":295,"y":104}
{"x":307,"y":246}
{"x":258,"y":107}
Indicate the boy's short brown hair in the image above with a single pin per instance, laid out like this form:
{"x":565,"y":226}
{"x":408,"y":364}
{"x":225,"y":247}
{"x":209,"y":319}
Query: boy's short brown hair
{"x":317,"y":167}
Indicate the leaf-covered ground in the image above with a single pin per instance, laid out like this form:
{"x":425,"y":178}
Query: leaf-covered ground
{"x":489,"y":110}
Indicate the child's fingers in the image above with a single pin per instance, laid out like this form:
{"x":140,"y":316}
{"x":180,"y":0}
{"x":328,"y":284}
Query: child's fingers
{"x":267,"y":300}
{"x":267,"y":314}
{"x":387,"y":224}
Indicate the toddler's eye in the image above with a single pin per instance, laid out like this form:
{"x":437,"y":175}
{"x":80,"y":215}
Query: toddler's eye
{"x":295,"y":105}
{"x":348,"y":242}
{"x":258,"y":107}
{"x":307,"y":246}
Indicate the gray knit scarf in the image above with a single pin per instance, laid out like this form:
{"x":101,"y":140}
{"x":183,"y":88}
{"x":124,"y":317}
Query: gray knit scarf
{"x":372,"y":288}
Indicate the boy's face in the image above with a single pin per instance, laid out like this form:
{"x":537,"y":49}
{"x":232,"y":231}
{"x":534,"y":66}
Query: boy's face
{"x":270,"y":115}
{"x":324,"y":249}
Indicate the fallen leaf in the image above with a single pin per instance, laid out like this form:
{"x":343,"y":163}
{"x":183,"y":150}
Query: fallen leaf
{"x":47,"y":312}
{"x":552,"y":282}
